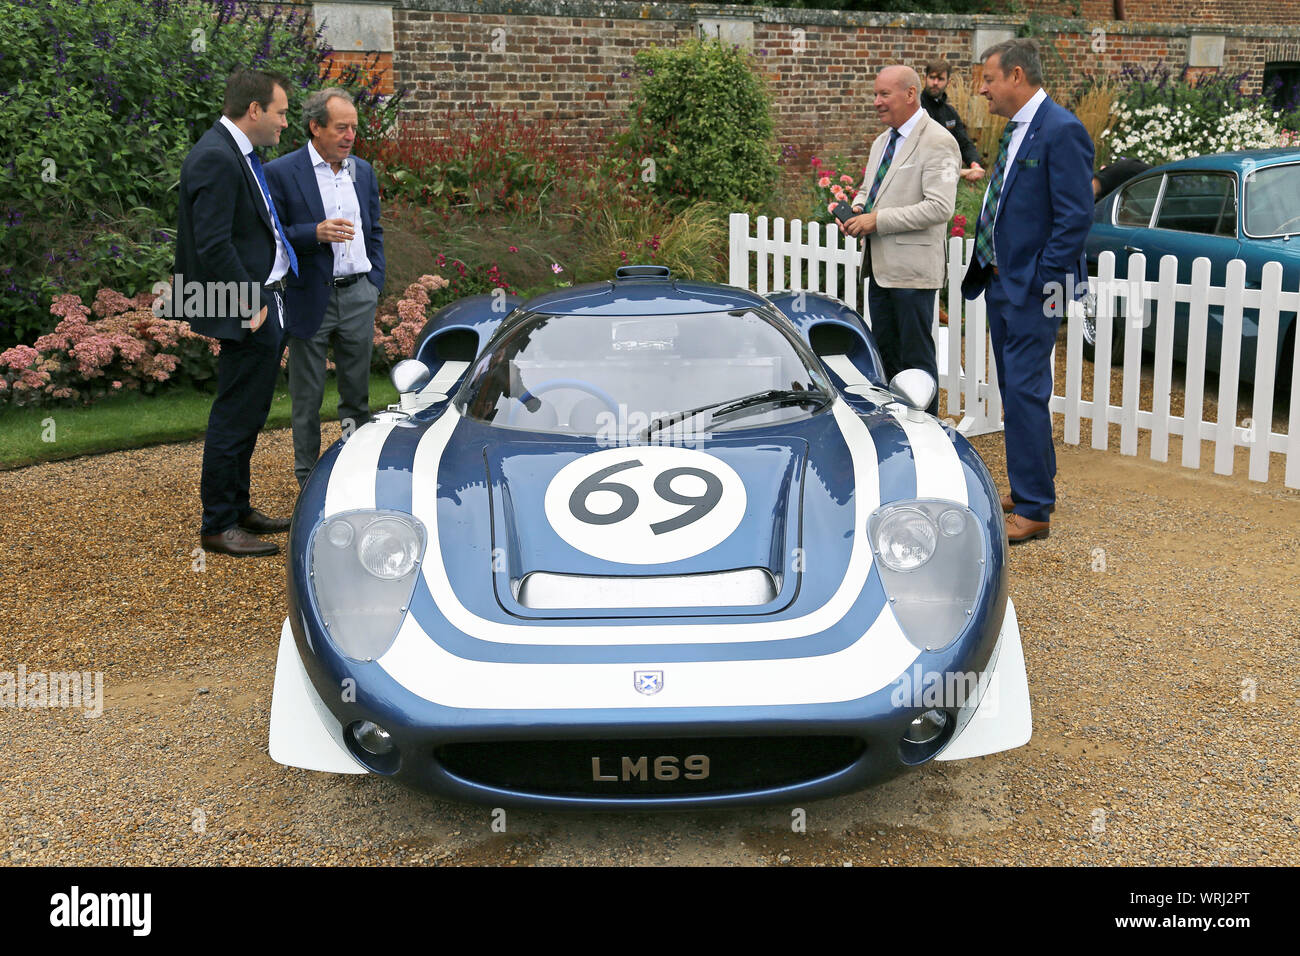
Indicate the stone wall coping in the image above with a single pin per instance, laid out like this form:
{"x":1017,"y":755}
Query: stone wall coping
{"x":686,"y":12}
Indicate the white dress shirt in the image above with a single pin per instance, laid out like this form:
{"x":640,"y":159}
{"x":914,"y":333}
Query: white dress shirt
{"x":281,"y":266}
{"x":338,"y":196}
{"x":1024,"y":116}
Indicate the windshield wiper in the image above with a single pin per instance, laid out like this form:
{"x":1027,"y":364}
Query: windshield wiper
{"x":733,"y":406}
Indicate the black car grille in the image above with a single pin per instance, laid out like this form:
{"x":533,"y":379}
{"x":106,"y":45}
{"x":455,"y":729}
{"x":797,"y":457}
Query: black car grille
{"x":648,"y":767}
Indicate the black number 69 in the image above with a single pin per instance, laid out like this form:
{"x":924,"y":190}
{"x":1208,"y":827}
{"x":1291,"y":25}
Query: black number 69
{"x":700,"y":505}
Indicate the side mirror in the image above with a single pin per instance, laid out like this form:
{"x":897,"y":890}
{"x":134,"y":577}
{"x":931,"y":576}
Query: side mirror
{"x":410,"y":375}
{"x":916,"y":389}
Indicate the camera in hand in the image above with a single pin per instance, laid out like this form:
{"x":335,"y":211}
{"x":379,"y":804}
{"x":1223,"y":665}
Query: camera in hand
{"x":844,"y":212}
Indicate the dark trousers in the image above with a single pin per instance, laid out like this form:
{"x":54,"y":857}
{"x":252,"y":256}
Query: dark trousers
{"x":247,"y":370}
{"x":349,"y":323}
{"x":1022,"y":340}
{"x":901,"y":321}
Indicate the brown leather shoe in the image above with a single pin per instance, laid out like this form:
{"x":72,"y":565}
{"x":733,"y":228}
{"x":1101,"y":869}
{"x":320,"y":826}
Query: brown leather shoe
{"x":258,"y":523}
{"x":1021,"y":529}
{"x":238,"y":543}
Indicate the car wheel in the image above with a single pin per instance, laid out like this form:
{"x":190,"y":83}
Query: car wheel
{"x":1090,"y":330}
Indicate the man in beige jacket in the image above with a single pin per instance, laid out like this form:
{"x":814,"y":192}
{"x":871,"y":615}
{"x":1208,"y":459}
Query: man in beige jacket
{"x":904,"y":206}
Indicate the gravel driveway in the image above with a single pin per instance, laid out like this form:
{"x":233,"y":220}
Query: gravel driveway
{"x":1160,"y":624}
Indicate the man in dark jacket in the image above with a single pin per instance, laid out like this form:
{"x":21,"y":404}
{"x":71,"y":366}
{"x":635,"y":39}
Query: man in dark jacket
{"x":934,"y":100}
{"x":231,"y":249}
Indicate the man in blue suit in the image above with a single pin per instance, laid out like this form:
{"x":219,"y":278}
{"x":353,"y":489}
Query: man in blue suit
{"x":230,"y":245}
{"x":329,"y":201}
{"x":1029,"y":242}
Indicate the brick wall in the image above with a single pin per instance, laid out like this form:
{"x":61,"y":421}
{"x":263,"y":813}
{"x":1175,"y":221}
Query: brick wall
{"x":571,"y":60}
{"x":1278,"y":12}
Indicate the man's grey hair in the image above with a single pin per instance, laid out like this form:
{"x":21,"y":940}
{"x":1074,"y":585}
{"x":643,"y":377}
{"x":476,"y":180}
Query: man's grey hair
{"x":1020,"y":52}
{"x":316,"y":106}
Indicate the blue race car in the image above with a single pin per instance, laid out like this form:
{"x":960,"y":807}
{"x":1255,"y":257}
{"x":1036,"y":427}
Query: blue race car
{"x":649,"y":544}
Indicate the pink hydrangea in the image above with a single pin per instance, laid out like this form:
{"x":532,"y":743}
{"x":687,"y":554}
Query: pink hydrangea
{"x":109,"y":302}
{"x":92,"y":354}
{"x":19,"y":357}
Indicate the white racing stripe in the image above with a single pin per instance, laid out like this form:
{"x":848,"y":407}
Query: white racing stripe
{"x":422,"y":666}
{"x":842,"y":366}
{"x":446,"y":377}
{"x":424,"y":501}
{"x":939,"y":472}
{"x":352,"y":480}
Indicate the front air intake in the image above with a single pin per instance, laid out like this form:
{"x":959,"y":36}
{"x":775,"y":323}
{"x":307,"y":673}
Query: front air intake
{"x":658,"y":767}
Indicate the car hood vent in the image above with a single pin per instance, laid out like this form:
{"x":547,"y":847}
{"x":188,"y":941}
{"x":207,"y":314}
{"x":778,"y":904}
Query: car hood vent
{"x":578,"y":527}
{"x":746,"y":587}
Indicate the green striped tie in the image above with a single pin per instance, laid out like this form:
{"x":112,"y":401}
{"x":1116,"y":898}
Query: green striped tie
{"x":984,"y":227}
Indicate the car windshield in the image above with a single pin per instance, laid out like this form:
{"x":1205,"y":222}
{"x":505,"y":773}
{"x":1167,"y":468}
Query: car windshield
{"x":1273,"y":201}
{"x":627,"y":377}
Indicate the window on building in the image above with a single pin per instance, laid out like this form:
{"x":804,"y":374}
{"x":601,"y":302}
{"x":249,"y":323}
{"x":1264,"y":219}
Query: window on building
{"x":1282,"y":83}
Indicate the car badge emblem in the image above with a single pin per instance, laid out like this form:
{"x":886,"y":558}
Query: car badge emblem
{"x":648,"y":682}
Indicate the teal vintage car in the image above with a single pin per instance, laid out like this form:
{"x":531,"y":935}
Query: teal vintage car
{"x":1243,"y":205}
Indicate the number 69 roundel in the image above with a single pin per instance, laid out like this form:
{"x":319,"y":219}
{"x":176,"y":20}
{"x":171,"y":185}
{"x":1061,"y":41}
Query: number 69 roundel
{"x":645,"y":504}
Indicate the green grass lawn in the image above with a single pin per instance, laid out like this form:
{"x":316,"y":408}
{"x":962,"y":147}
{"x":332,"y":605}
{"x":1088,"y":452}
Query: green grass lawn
{"x":29,"y":435}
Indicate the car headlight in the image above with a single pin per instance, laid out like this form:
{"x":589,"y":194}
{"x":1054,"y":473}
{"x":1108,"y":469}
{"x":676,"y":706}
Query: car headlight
{"x":905,"y":539}
{"x":364,"y":566}
{"x":931,"y":557}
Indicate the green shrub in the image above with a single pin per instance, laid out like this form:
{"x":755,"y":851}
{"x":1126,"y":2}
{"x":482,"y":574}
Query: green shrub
{"x":691,"y":241}
{"x":99,"y":104}
{"x":703,"y":116}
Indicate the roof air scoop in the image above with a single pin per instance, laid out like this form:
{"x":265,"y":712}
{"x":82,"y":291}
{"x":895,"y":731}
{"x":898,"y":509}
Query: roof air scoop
{"x":643,"y":272}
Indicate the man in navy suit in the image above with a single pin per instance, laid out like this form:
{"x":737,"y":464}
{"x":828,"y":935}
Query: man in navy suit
{"x":329,"y":201}
{"x":1029,"y":243}
{"x":230,"y":245}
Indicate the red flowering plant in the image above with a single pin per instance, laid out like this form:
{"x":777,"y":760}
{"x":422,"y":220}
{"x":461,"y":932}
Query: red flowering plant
{"x":127,"y":348}
{"x":833,"y":181}
{"x":958,"y":226}
{"x":480,"y":160}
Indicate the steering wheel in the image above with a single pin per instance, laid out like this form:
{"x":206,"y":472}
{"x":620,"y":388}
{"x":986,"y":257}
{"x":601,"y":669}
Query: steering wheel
{"x":1282,"y":228}
{"x":557,"y":383}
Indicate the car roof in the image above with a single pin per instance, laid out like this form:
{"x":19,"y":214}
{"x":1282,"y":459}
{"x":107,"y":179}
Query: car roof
{"x":641,"y":297}
{"x":1242,"y":159}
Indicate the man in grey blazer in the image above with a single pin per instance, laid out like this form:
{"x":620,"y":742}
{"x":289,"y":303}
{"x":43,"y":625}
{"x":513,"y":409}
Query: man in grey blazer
{"x":904,"y":205}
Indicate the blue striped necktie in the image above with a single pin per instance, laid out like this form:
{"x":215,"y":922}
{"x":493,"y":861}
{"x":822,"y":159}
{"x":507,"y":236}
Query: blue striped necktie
{"x":270,"y":203}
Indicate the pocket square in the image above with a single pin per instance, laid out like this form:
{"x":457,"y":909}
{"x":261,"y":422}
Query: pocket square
{"x":1027,"y":162}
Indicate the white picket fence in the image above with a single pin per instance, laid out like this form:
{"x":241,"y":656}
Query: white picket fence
{"x":816,"y":257}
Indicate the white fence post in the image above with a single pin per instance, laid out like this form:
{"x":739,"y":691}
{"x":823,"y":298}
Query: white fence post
{"x":1194,"y":378}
